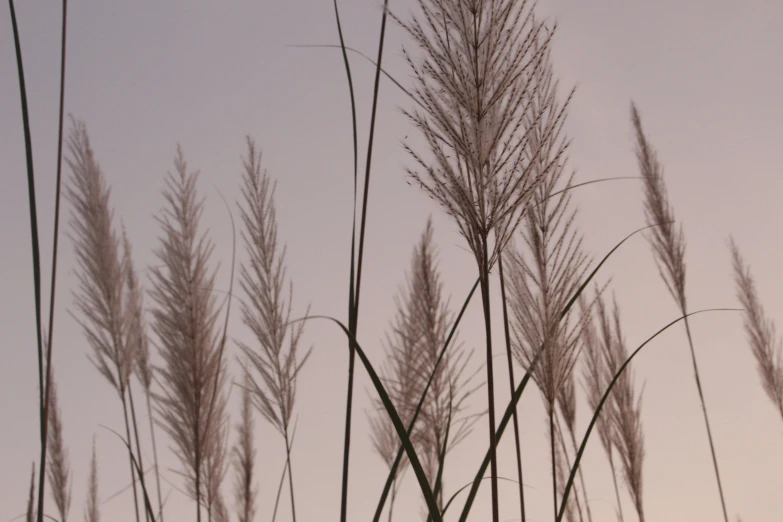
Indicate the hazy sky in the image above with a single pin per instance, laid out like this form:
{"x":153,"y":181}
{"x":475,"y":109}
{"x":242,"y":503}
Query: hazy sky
{"x":706,"y":77}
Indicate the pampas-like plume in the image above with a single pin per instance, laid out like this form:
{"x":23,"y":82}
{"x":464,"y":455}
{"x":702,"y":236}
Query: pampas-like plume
{"x":763,"y":340}
{"x":58,"y":469}
{"x":101,"y":273}
{"x":244,"y":458}
{"x":668,"y":244}
{"x":544,"y":278}
{"x":474,"y":82}
{"x":401,"y":376}
{"x":92,"y":509}
{"x":419,"y":333}
{"x":443,"y":422}
{"x":274,"y":358}
{"x":626,"y":409}
{"x":192,"y":404}
{"x":596,"y":380}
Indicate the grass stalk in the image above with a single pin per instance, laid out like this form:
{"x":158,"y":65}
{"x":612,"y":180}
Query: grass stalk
{"x":490,"y":381}
{"x":511,"y":380}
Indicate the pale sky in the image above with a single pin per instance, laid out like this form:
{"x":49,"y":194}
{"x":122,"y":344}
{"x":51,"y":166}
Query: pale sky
{"x":706,"y":78}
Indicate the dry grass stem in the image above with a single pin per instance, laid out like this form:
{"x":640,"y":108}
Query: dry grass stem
{"x":763,"y":340}
{"x":474,"y":81}
{"x":191,"y":404}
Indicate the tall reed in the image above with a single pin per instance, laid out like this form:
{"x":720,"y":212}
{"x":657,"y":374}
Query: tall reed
{"x":274,"y":357}
{"x":547,"y":273}
{"x":101,"y":274}
{"x":668,"y":245}
{"x":191,"y":405}
{"x":473,"y":81}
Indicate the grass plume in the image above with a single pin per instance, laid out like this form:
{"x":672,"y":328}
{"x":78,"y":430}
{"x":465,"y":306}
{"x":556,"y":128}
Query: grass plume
{"x":191,"y":404}
{"x":668,"y":245}
{"x":101,"y":274}
{"x":473,"y":82}
{"x":760,"y":329}
{"x":625,"y":414}
{"x":274,"y":358}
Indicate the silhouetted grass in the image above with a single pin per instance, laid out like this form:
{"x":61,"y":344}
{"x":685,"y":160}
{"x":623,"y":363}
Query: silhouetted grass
{"x":485,"y":102}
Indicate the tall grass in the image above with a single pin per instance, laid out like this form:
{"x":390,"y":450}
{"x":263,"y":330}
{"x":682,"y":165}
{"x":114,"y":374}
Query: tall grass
{"x":192,"y":402}
{"x":668,"y":245}
{"x":472,"y":84}
{"x":487,"y":106}
{"x":275,"y":358}
{"x":102,"y":272}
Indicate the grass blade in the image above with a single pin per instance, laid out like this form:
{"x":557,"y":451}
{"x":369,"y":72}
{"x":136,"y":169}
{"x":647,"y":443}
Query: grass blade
{"x":351,"y":296}
{"x":36,"y":255}
{"x":429,"y":498}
